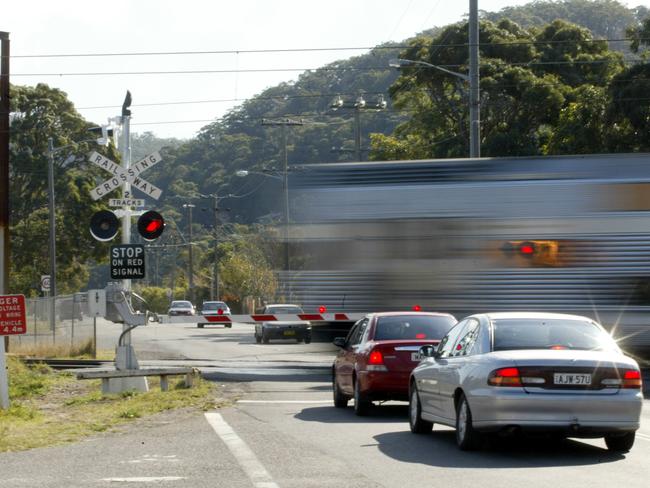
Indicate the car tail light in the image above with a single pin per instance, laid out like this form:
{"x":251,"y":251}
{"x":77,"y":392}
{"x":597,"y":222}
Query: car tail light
{"x":376,"y":361}
{"x":420,"y":335}
{"x":220,"y":311}
{"x":322,"y":309}
{"x":505,"y":377}
{"x":416,"y":308}
{"x":376,"y":357}
{"x":632,"y":379}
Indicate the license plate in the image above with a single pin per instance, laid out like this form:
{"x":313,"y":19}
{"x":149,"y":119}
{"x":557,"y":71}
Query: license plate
{"x":416,"y":356}
{"x":290,"y":332}
{"x":571,"y":379}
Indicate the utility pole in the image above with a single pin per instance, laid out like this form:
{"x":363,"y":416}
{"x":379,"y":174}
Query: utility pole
{"x":285,"y":182}
{"x":474,"y":87}
{"x":4,"y":203}
{"x":189,"y":207}
{"x":52,"y":225}
{"x":215,"y":272}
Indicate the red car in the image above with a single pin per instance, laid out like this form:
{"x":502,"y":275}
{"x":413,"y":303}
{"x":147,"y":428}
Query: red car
{"x":379,"y":353}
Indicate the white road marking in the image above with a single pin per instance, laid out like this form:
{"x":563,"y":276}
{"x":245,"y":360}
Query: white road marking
{"x":242,"y":453}
{"x":144,"y":479}
{"x":645,"y":437}
{"x":287,"y":402}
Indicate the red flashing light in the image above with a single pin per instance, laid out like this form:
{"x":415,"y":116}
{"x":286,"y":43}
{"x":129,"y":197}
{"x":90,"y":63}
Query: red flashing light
{"x":376,"y":357}
{"x":417,"y":308}
{"x":151,"y":225}
{"x":322,"y":309}
{"x":527,"y":248}
{"x":420,"y":336}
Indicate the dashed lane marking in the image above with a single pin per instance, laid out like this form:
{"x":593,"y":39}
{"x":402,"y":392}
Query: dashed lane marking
{"x":287,"y":402}
{"x":242,"y":453}
{"x":144,"y":479}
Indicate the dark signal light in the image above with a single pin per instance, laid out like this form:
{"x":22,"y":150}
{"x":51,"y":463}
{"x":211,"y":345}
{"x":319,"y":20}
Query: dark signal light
{"x":104,"y":225}
{"x":151,"y":225}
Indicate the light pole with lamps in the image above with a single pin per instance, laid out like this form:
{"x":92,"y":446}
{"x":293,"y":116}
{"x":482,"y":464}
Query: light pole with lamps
{"x":285,"y":180}
{"x":472,"y":78}
{"x":358,"y":105}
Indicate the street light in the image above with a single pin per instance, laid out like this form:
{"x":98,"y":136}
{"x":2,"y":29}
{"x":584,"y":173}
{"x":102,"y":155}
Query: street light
{"x":473,"y":79}
{"x":285,"y":180}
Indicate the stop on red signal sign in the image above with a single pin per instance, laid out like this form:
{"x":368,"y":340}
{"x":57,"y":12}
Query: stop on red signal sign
{"x":12,"y":315}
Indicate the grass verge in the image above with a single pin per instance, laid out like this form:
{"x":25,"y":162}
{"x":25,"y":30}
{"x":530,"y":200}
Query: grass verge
{"x":50,"y":408}
{"x":82,"y":350}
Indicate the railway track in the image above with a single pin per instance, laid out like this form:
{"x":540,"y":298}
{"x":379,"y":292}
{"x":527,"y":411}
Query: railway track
{"x":68,"y":363}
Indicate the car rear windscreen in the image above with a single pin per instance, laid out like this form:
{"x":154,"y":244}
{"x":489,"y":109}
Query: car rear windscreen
{"x":510,"y":334}
{"x":214,"y":305}
{"x":181,"y":304}
{"x":398,"y":327}
{"x":284,"y":310}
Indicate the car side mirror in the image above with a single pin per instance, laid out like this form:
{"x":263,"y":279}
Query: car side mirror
{"x":429,"y":351}
{"x":339,"y":342}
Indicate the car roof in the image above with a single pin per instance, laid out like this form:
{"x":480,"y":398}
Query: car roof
{"x":181,"y":301}
{"x":534,"y":315}
{"x":214,"y":301}
{"x":282,"y":305}
{"x":411,"y":312}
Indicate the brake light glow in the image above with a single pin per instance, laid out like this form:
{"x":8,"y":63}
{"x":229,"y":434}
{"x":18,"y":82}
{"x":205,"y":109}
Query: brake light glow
{"x":527,"y":248}
{"x":632,"y":379}
{"x":417,"y":308}
{"x":505,"y":377}
{"x":220,"y":311}
{"x":322,"y":309}
{"x":376,"y":358}
{"x":420,"y":335}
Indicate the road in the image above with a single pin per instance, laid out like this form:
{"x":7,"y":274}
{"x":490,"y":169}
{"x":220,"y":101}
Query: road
{"x":283,"y":431}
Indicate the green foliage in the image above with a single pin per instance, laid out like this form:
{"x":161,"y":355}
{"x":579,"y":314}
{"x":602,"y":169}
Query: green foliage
{"x":537,"y":85}
{"x":39,"y":113}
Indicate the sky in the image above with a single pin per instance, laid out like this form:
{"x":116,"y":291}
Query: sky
{"x":306,"y":35}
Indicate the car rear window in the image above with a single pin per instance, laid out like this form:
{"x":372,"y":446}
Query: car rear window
{"x":510,"y":334}
{"x":412,"y":327}
{"x":214,"y":305}
{"x":181,"y":304}
{"x":284,"y":310}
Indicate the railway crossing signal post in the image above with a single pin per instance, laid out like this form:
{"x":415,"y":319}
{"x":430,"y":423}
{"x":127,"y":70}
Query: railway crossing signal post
{"x":104,"y":227}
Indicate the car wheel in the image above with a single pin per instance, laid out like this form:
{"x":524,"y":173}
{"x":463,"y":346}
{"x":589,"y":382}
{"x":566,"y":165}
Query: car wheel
{"x":228,"y":326}
{"x":620,"y":442}
{"x":340,"y":400}
{"x":361,"y":403}
{"x":307,"y":339}
{"x":258,"y":339}
{"x":418,"y":426}
{"x":200,"y":326}
{"x":467,"y":438}
{"x":265,"y":338}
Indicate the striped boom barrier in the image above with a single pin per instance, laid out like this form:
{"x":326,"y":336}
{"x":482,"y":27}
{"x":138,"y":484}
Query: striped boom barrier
{"x":254,"y":318}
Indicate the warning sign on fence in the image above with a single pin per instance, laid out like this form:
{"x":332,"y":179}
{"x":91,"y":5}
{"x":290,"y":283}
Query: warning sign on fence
{"x":12,"y":315}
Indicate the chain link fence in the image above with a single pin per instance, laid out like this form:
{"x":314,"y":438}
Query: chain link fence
{"x":62,"y":322}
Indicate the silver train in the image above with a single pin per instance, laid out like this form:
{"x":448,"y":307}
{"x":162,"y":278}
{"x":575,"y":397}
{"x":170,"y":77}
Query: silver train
{"x":568,"y":234}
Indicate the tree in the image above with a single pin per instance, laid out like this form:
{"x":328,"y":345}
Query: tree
{"x":527,"y":78}
{"x":38,"y":113}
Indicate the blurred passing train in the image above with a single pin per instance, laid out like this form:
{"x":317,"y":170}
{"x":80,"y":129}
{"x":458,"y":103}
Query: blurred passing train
{"x":568,"y":234}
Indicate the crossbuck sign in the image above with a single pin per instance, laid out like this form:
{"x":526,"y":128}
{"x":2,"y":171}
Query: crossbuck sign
{"x":122,"y":176}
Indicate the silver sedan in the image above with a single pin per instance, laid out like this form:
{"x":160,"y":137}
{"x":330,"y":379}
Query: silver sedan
{"x":512,"y":372}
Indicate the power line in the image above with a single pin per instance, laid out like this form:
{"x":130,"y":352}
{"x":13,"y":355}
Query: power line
{"x":322,"y":68}
{"x":317,"y":49}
